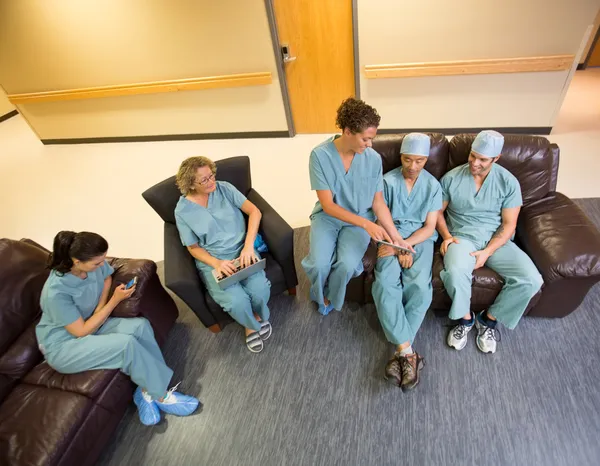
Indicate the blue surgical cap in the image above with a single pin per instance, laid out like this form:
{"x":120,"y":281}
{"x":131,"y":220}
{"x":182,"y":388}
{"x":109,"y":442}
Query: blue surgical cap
{"x":416,"y":144}
{"x":488,"y":143}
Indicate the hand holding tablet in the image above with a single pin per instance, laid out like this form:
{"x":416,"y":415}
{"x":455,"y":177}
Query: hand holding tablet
{"x":398,"y":248}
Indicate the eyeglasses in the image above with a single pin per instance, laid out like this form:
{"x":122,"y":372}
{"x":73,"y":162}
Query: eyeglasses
{"x":205,"y":181}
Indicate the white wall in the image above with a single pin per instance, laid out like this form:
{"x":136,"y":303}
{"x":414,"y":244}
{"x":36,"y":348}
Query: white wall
{"x":71,"y":44}
{"x":437,"y":30}
{"x":97,"y":187}
{"x":5,"y":105}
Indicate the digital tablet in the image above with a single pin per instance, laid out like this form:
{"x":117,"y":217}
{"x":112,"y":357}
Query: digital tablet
{"x":399,"y":248}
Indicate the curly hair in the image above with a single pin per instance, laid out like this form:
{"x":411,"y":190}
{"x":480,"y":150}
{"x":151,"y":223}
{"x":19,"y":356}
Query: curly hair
{"x":356,"y":115}
{"x":186,"y":175}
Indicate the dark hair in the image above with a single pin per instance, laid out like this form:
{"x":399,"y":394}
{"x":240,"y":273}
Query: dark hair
{"x":356,"y":115}
{"x":82,"y":246}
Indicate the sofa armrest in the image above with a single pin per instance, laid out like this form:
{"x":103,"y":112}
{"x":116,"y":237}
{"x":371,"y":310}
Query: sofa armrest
{"x":278,"y":235}
{"x":182,"y":277}
{"x":559,"y":238}
{"x":150,"y":299}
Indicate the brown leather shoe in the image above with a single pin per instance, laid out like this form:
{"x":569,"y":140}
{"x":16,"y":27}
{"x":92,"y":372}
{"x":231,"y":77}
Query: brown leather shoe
{"x":393,"y":371}
{"x":410,"y":366}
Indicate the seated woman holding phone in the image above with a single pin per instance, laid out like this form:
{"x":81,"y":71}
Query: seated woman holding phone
{"x":76,"y":332}
{"x":211,"y":224}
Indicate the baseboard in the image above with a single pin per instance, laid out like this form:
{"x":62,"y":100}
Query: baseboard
{"x":451,"y":131}
{"x":171,"y":137}
{"x":8,"y":115}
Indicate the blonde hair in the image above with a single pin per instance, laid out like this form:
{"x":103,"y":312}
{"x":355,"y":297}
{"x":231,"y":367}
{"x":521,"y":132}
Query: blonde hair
{"x":186,"y":175}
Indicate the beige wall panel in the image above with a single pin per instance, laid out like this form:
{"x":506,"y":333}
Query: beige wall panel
{"x":5,"y":105}
{"x":436,"y":30}
{"x":46,"y":46}
{"x":519,"y":99}
{"x":210,"y":111}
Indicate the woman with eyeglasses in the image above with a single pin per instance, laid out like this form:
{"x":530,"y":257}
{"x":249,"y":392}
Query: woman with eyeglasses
{"x":210,"y":220}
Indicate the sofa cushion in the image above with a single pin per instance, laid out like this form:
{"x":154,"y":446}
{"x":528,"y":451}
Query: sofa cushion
{"x":529,"y":158}
{"x":37,"y":424}
{"x":18,"y":360}
{"x":125,"y":270}
{"x":89,"y":383}
{"x":22,"y":277}
{"x":388,"y":146}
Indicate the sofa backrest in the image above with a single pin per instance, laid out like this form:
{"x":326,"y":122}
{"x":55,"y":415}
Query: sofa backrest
{"x":388,"y":146}
{"x":532,"y":159}
{"x":163,"y":197}
{"x":23,"y":273}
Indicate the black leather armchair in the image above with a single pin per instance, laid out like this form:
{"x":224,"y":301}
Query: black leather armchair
{"x":181,"y":275}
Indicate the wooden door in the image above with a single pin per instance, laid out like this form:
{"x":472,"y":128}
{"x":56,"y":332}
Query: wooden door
{"x":595,"y":55}
{"x":319,"y":35}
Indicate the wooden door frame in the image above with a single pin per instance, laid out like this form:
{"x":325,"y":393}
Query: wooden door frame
{"x":279,"y":60}
{"x":584,"y":65}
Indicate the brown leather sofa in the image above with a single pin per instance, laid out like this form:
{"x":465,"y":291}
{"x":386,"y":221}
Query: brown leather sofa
{"x":553,"y":231}
{"x":47,"y":418}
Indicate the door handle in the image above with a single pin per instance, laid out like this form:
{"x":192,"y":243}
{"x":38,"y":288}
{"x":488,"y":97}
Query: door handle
{"x":285,"y":53}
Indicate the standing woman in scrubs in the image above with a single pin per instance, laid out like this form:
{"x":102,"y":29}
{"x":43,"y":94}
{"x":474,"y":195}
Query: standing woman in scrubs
{"x":347,"y":175}
{"x":210,"y":220}
{"x":76,"y":332}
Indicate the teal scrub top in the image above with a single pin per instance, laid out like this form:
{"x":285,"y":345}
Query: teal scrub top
{"x":66,"y":298}
{"x":409,"y":211}
{"x":219,"y":228}
{"x":473,"y":215}
{"x":354,"y":190}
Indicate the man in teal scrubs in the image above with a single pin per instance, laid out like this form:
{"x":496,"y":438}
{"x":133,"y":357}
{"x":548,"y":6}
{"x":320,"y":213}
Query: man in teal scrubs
{"x":402,"y":290}
{"x":481,"y":202}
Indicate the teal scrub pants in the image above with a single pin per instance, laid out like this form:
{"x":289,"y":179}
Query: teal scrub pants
{"x":521,"y":280}
{"x":335,"y":256}
{"x":125,"y":344}
{"x":242,"y":299}
{"x":403,"y":296}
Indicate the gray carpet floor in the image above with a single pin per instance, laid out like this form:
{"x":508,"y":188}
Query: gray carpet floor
{"x":316,"y":395}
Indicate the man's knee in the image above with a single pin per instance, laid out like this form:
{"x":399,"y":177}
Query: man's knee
{"x":457,"y":270}
{"x":387,"y":270}
{"x":534,"y":282}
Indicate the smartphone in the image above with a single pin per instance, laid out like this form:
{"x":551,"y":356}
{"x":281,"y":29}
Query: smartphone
{"x":131,"y":283}
{"x":400,"y":248}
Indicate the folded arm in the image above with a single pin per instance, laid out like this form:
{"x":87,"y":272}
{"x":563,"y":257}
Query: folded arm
{"x":425,"y":232}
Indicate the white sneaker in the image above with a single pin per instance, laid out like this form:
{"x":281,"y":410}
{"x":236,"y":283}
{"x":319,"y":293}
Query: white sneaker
{"x":487,"y":337}
{"x":457,"y":337}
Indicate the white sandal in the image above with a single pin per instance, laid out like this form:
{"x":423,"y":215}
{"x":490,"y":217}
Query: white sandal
{"x":265,"y":330}
{"x":254,"y":343}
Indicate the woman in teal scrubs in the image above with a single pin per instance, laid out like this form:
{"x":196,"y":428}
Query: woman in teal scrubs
{"x":347,"y":175}
{"x":210,"y":220}
{"x":76,"y":332}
